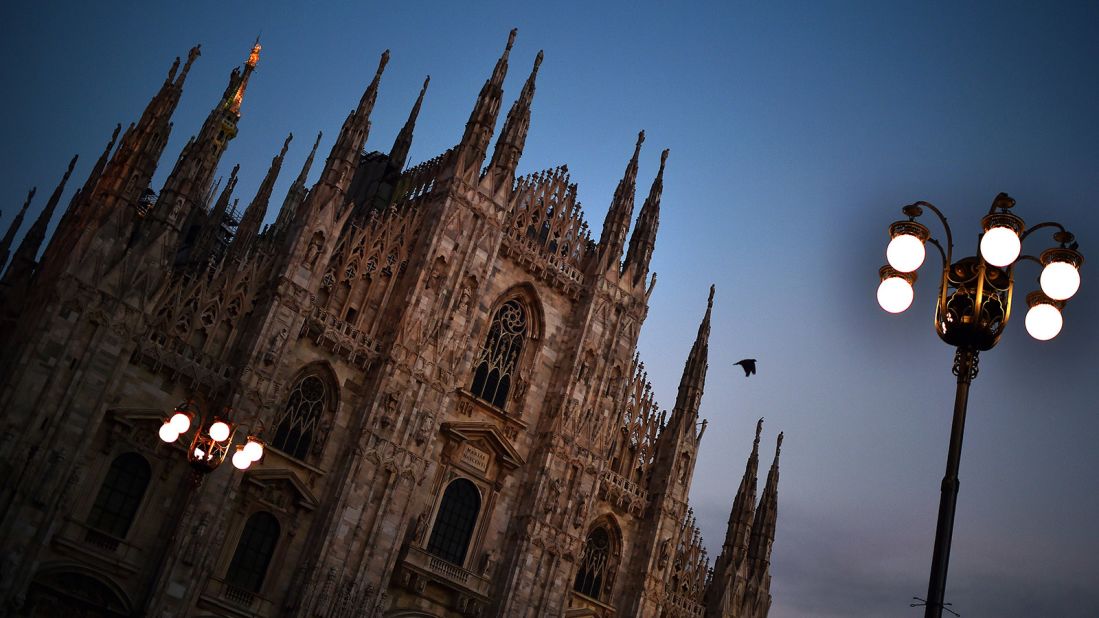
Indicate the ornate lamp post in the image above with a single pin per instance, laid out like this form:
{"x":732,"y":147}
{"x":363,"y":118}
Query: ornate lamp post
{"x":973,"y":307}
{"x":212,"y":440}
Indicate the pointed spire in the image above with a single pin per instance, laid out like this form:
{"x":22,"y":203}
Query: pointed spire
{"x":617,"y":223}
{"x":22,"y":264}
{"x":693,"y":381}
{"x":344,"y":156}
{"x":763,"y":527}
{"x":189,"y":184}
{"x":643,"y":239}
{"x":257,"y":210}
{"x":207,"y":243}
{"x":9,"y":237}
{"x":513,"y":136}
{"x":398,"y":155}
{"x":482,"y":119}
{"x":249,"y":67}
{"x":296,"y":195}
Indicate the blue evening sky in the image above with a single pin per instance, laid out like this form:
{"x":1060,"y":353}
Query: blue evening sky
{"x":797,"y":130}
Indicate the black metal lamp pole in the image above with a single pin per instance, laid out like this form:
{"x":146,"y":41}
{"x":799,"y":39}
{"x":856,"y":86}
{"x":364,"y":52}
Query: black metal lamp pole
{"x":973,"y":307}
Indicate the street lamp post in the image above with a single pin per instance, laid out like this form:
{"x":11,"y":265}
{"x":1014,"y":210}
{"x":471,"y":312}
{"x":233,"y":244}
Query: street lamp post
{"x":974,"y":306}
{"x":212,"y":440}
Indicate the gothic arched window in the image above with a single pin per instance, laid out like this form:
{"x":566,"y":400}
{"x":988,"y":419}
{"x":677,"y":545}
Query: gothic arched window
{"x":120,"y":495}
{"x":257,"y":544}
{"x":595,"y":572}
{"x":454,"y":524}
{"x":498,"y":358}
{"x":296,"y":430}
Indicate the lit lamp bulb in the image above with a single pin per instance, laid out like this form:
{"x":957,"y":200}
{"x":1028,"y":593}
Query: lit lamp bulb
{"x":253,"y":449}
{"x":1061,"y":276}
{"x":895,"y":291}
{"x":241,"y":460}
{"x":906,"y":250}
{"x":219,"y":431}
{"x":168,"y":433}
{"x":1043,"y":320}
{"x":1000,"y":245}
{"x":180,"y":421}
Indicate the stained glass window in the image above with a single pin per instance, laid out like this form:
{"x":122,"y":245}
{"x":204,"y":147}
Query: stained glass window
{"x":498,"y":358}
{"x":297,"y":428}
{"x":593,"y":573}
{"x":254,"y":550}
{"x":120,"y":495}
{"x":454,"y":524}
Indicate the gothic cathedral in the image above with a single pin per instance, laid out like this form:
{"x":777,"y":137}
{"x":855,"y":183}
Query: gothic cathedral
{"x":438,"y":362}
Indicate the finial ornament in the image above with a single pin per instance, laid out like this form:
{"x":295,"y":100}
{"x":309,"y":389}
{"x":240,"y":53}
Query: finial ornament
{"x":286,"y":144}
{"x":538,"y":60}
{"x":710,"y":301}
{"x":778,"y":447}
{"x":759,"y":430}
{"x":663,"y":160}
{"x":381,"y":63}
{"x":511,"y":38}
{"x":253,"y":57}
{"x":640,"y":139}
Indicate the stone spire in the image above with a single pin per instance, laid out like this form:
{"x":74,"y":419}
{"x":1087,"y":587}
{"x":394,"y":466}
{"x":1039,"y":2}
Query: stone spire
{"x":73,"y":219}
{"x":23,"y":262}
{"x":206,"y":244}
{"x":128,"y":173}
{"x":343,"y":159}
{"x":398,"y":155}
{"x":9,"y":237}
{"x":693,"y":381}
{"x":257,"y":210}
{"x":295,"y":196}
{"x":643,"y":239}
{"x":190,"y":181}
{"x":513,"y":136}
{"x":763,"y":527}
{"x":720,"y":595}
{"x":249,"y":67}
{"x":617,"y":223}
{"x":482,"y":120}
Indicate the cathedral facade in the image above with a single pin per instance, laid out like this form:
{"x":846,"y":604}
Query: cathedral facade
{"x":439,"y":360}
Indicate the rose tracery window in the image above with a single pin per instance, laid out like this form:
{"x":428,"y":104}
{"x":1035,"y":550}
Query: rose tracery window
{"x":297,"y":428}
{"x":499,"y":357}
{"x":596,"y":571}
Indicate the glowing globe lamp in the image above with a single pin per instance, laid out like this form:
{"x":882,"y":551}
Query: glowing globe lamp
{"x":895,"y":291}
{"x":1000,"y":246}
{"x":180,"y":421}
{"x":168,"y":433}
{"x":241,"y":461}
{"x":253,"y":449}
{"x":219,"y":431}
{"x":905,"y":253}
{"x":1060,"y":280}
{"x":1043,"y":321}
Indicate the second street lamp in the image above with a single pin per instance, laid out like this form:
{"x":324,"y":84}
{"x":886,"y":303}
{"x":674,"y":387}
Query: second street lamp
{"x":972,"y":310}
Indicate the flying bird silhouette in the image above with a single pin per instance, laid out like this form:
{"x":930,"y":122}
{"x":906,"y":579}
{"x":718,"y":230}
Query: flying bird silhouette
{"x":748,"y":365}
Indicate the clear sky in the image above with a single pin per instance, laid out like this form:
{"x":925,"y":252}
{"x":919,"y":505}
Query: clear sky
{"x":797,"y":131}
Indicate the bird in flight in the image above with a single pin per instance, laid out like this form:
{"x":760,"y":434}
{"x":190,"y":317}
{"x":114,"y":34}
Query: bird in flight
{"x":748,"y":365}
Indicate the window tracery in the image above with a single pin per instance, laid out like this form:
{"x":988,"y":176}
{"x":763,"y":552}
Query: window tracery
{"x":296,"y":430}
{"x":596,"y":570}
{"x":499,"y":357}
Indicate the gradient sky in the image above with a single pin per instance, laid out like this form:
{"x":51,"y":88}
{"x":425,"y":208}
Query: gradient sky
{"x":797,"y":131}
